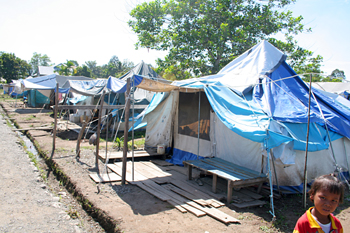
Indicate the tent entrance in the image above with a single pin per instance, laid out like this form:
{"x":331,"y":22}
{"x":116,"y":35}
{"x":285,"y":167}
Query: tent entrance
{"x":188,"y":115}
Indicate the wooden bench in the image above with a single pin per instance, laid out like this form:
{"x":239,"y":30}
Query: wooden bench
{"x":236,"y":176}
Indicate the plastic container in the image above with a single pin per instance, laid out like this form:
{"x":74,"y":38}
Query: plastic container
{"x":161,"y":149}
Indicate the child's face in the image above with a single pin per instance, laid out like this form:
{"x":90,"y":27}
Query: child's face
{"x":325,"y":202}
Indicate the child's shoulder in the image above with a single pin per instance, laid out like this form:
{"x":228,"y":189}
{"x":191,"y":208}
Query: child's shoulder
{"x":336,"y":221}
{"x":302,"y":221}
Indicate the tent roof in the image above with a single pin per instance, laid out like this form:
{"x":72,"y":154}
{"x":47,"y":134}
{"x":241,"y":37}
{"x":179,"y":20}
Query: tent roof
{"x":45,"y":70}
{"x":48,"y":82}
{"x":333,"y":87}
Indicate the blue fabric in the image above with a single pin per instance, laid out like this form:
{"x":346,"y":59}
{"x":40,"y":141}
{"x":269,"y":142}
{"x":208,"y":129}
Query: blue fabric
{"x":119,"y":86}
{"x":76,"y":100}
{"x":318,"y":137}
{"x":287,"y":100}
{"x":180,"y":155}
{"x":241,"y":117}
{"x":157,"y":99}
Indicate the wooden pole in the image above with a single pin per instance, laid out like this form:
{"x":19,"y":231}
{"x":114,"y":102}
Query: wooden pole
{"x":127,"y":109}
{"x":99,"y":128}
{"x":77,"y":150}
{"x":307,"y":144}
{"x":55,"y":123}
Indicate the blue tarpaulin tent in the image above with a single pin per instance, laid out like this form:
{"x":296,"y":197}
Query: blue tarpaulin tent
{"x":256,"y":105}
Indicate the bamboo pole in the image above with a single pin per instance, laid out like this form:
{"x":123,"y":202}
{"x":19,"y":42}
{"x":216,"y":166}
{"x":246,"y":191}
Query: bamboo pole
{"x":55,"y":123}
{"x":307,"y":145}
{"x":126,"y":127}
{"x":99,"y":129}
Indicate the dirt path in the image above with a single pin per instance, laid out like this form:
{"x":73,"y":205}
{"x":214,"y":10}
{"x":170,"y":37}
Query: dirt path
{"x":27,"y":201}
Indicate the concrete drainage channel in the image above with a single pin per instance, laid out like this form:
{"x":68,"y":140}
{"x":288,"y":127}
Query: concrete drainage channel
{"x":36,"y":154}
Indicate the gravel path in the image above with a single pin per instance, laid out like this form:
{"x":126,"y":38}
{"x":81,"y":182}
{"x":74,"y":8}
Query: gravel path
{"x":26,"y":203}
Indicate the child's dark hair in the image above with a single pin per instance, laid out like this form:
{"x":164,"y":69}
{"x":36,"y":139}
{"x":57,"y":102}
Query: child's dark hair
{"x":329,"y":182}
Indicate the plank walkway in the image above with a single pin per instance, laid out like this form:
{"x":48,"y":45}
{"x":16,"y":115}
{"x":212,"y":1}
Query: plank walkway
{"x":177,"y":192}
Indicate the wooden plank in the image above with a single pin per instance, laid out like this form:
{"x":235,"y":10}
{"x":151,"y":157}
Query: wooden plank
{"x":119,"y":154}
{"x":177,"y":206}
{"x":249,"y":204}
{"x":103,"y":178}
{"x":186,"y":194}
{"x":215,"y":213}
{"x":152,"y":191}
{"x":212,"y":169}
{"x":155,"y":189}
{"x":161,"y":162}
{"x":241,"y":169}
{"x":84,"y":107}
{"x":32,"y":128}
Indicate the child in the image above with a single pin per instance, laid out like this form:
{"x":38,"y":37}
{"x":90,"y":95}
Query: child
{"x":326,"y":193}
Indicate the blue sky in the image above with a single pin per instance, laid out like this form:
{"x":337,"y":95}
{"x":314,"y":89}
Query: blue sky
{"x":93,"y":30}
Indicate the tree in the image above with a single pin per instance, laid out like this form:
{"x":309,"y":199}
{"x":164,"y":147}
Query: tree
{"x":202,"y":36}
{"x":38,"y":60}
{"x":96,"y":71}
{"x":116,"y":68}
{"x":83,"y":71}
{"x":12,"y":67}
{"x":338,"y":74}
{"x":68,"y":68}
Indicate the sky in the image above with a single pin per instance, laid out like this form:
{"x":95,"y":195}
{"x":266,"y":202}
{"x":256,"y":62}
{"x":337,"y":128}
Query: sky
{"x":90,"y":30}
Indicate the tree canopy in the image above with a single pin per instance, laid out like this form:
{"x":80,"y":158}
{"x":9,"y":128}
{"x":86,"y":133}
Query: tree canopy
{"x":38,"y":60}
{"x":202,"y":36}
{"x":12,"y":67}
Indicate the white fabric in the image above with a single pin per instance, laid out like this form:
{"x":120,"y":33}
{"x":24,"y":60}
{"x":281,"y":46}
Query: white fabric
{"x":232,"y":147}
{"x":333,"y":87}
{"x":246,"y":70}
{"x":160,"y":122}
{"x":325,"y":227}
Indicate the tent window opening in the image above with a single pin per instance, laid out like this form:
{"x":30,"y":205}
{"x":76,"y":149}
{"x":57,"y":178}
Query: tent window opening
{"x":188,"y":115}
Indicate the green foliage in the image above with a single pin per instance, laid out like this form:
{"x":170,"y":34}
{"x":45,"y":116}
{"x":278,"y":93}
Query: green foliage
{"x":12,"y":67}
{"x":38,"y":60}
{"x":68,"y":68}
{"x":116,"y":68}
{"x":203,"y":36}
{"x":96,"y":71}
{"x":83,"y":71}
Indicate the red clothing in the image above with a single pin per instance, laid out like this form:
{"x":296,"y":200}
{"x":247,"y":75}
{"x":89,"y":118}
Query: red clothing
{"x":307,"y":224}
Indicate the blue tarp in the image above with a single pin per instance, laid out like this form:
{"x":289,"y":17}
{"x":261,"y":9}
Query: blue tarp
{"x":286,"y":99}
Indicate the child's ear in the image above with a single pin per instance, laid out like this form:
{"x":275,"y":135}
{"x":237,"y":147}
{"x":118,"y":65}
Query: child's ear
{"x":312,"y":197}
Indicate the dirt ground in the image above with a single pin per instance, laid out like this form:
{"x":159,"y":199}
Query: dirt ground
{"x":132,"y":209}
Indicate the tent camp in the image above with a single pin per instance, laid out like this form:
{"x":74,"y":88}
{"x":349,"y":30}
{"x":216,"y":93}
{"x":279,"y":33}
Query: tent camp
{"x":41,"y":89}
{"x":254,"y":108}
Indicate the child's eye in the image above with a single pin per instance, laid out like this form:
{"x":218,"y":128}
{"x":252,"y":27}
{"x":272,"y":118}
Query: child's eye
{"x":322,"y":198}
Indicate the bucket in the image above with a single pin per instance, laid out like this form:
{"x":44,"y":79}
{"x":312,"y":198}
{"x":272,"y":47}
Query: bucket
{"x":161,"y":149}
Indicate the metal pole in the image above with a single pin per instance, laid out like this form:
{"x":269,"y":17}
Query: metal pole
{"x":307,"y":145}
{"x":199,"y":120}
{"x":133,"y":114}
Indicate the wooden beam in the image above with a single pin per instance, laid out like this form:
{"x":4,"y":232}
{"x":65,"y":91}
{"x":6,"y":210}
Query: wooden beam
{"x":99,"y":128}
{"x":82,"y":130}
{"x":85,"y":107}
{"x":126,"y":128}
{"x":55,"y":123}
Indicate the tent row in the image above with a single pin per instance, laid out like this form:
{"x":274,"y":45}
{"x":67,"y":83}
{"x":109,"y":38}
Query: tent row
{"x":253,"y":113}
